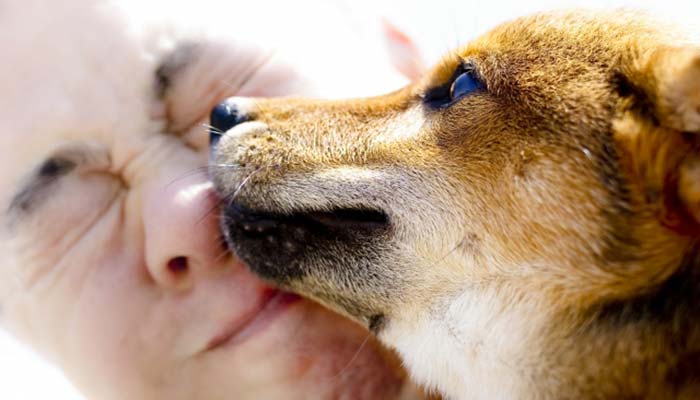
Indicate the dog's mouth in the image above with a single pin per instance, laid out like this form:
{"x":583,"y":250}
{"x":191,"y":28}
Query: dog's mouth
{"x":261,"y":222}
{"x":278,"y":246}
{"x":349,"y":218}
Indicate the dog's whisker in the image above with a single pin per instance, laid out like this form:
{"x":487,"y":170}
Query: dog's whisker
{"x":225,"y":166}
{"x":229,"y":198}
{"x":353,"y":359}
{"x":199,"y":170}
{"x":221,"y":256}
{"x":248,"y":76}
{"x":441,"y":259}
{"x":230,"y":84}
{"x":210,"y":211}
{"x":211,"y":128}
{"x":224,"y":250}
{"x":205,"y":169}
{"x":242,"y":185}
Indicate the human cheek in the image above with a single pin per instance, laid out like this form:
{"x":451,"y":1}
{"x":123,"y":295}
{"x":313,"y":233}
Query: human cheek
{"x":53,"y":272}
{"x":107,"y":341}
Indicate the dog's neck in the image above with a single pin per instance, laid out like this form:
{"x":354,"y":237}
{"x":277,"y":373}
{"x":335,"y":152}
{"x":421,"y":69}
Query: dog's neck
{"x":469,"y":348}
{"x":647,"y":346}
{"x":486,"y":344}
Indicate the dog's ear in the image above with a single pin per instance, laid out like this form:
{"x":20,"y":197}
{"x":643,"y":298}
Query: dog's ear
{"x":663,"y":170}
{"x":194,"y":75}
{"x":403,"y":52}
{"x":667,"y":79}
{"x":658,"y":133}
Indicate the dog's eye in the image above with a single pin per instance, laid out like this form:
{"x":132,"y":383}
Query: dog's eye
{"x":465,"y":81}
{"x":463,"y":85}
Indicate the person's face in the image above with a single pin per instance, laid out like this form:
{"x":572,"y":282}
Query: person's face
{"x":113,"y":264}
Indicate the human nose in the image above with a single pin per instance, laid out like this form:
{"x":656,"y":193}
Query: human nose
{"x":183,"y":243}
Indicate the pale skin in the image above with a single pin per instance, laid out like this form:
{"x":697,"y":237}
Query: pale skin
{"x":112,"y":261}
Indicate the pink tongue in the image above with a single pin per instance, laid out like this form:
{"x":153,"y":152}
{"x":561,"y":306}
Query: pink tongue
{"x":287,"y":297}
{"x":278,"y":297}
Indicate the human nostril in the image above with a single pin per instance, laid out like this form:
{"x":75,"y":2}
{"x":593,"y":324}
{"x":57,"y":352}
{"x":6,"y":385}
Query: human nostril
{"x":178,"y":266}
{"x":222,"y":118}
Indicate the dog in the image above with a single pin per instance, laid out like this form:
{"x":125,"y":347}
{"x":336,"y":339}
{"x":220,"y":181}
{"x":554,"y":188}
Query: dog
{"x":102,"y":108}
{"x":520,"y":222}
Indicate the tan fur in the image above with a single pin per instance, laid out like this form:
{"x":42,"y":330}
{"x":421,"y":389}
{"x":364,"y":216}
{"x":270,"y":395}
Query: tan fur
{"x":562,"y":202}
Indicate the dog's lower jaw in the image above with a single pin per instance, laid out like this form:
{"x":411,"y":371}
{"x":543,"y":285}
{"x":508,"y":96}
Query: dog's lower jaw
{"x":474,"y":347}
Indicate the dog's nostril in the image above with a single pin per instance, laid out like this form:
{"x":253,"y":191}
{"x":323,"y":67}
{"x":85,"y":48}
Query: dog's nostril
{"x":222,"y":118}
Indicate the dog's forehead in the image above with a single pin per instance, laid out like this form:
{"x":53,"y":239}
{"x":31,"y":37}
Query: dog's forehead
{"x":555,"y":40}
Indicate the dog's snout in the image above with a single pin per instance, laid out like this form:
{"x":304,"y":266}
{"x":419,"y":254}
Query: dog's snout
{"x":223,"y":117}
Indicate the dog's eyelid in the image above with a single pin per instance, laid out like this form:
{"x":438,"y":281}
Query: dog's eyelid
{"x":472,"y":67}
{"x":468,"y":65}
{"x":464,"y":66}
{"x":439,"y":97}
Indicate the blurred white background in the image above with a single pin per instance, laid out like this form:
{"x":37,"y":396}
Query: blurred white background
{"x":436,"y":26}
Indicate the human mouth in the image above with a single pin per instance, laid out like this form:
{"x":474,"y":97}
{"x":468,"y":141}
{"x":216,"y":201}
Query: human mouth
{"x":274,"y":303}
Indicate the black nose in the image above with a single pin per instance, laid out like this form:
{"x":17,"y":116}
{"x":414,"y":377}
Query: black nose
{"x":222,"y":118}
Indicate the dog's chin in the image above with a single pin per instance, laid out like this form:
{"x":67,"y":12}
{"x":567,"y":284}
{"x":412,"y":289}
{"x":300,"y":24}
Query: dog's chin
{"x":323,"y":247}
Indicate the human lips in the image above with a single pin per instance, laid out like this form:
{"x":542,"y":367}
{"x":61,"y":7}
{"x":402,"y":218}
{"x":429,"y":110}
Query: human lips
{"x":271,"y":305}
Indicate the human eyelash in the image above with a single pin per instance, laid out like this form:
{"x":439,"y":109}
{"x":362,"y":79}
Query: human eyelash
{"x":46,"y":174}
{"x":55,"y":167}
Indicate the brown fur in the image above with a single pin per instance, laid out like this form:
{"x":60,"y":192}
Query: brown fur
{"x":569,"y":187}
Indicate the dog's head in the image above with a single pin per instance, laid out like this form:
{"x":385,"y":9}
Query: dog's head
{"x":552,"y":162}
